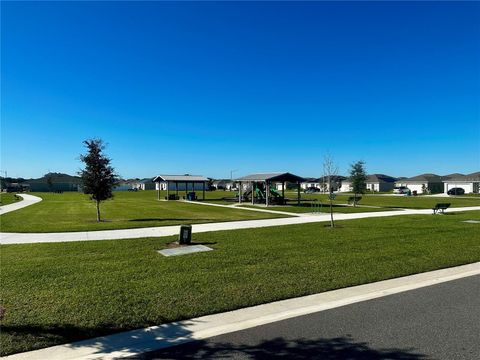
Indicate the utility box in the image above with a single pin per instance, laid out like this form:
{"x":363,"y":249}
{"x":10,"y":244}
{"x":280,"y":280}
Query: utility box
{"x":185,"y":236}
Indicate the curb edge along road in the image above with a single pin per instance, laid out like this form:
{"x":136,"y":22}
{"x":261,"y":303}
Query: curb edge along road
{"x":139,"y":341}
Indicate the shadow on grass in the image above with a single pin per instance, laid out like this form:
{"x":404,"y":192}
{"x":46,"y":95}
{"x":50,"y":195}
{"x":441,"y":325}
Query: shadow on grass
{"x":280,"y":348}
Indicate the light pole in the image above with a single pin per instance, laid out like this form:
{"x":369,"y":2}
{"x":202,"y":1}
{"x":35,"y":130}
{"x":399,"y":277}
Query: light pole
{"x":231,"y":178}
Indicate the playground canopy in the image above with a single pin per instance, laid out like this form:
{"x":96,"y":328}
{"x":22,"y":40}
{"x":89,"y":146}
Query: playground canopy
{"x":268,"y":179}
{"x":180,"y":179}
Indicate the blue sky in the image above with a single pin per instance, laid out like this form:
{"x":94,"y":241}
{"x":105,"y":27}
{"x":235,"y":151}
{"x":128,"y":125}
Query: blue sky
{"x":205,"y":88}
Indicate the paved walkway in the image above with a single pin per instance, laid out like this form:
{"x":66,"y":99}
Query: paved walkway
{"x":28,"y":238}
{"x":140,"y":341}
{"x":27,"y":201}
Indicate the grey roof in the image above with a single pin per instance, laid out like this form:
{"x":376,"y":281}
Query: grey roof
{"x":310,"y":179}
{"x":473,"y":176}
{"x":454,"y":177}
{"x":222,"y":182}
{"x":180,"y":178}
{"x":333,"y":177}
{"x":380,"y":178}
{"x":424,"y":178}
{"x":272,"y":177}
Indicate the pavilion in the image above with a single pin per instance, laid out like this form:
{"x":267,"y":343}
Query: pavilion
{"x":269,"y":179}
{"x":180,"y":182}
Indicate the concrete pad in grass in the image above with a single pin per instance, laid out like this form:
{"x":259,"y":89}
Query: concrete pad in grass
{"x":184,"y":250}
{"x":472,"y":221}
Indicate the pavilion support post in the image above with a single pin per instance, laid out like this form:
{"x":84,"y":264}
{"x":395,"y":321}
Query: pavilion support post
{"x":203,"y":197}
{"x":251,"y":183}
{"x":168,"y":193}
{"x":267,"y":193}
{"x":158,"y":192}
{"x":176,"y":188}
{"x":240,"y":192}
{"x":283,"y":190}
{"x":298,"y":193}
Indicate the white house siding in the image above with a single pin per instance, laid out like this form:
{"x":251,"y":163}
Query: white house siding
{"x":346,"y":187}
{"x":467,"y":186}
{"x":417,"y":187}
{"x":373,"y":186}
{"x":380,"y":186}
{"x":306,"y":185}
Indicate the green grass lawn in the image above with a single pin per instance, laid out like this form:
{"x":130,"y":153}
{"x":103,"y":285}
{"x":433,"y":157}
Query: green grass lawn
{"x":8,"y":198}
{"x":411,"y":202}
{"x":72,"y":211}
{"x":325,"y":208}
{"x":61,"y":292}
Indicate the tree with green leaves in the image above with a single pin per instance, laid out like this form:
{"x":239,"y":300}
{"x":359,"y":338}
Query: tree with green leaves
{"x":98,"y":177}
{"x":358,"y":178}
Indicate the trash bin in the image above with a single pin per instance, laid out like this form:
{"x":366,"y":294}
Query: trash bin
{"x":191,"y":196}
{"x":414,"y":192}
{"x":185,"y":236}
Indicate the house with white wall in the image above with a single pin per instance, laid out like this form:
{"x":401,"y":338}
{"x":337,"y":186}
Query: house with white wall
{"x":423,"y":184}
{"x":380,"y":182}
{"x":346,"y":186}
{"x":224,"y":184}
{"x":470,"y":183}
{"x":144,"y":184}
{"x":309,"y":182}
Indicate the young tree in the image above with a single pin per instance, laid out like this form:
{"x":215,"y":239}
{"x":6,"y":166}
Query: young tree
{"x":358,"y":179}
{"x":98,"y":177}
{"x":330,"y":173}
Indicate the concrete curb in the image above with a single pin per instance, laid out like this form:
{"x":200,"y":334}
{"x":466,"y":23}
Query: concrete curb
{"x":158,"y":337}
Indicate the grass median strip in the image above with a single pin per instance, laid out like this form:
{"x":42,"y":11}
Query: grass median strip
{"x":75,"y":212}
{"x":57,"y":293}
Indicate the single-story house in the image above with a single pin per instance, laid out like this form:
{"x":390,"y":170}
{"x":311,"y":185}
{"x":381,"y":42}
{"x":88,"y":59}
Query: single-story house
{"x":380,"y":182}
{"x":309,"y":182}
{"x":143,"y":184}
{"x":345,"y":186}
{"x":374,"y":182}
{"x":470,"y":183}
{"x":423,"y":184}
{"x":123,"y":185}
{"x":53,"y":182}
{"x":224,"y":184}
{"x":322,"y":183}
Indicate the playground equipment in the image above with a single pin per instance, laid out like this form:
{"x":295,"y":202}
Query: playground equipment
{"x":266,"y":182}
{"x":257,"y":190}
{"x":316,"y":206}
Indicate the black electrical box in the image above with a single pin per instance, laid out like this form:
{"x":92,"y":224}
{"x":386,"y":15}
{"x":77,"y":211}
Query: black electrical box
{"x":185,"y":236}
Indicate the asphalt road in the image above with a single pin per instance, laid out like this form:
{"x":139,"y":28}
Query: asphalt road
{"x":435,"y":322}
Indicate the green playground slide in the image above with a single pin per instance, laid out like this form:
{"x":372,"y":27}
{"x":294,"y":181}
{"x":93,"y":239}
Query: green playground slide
{"x":259,"y":193}
{"x":274,"y":192}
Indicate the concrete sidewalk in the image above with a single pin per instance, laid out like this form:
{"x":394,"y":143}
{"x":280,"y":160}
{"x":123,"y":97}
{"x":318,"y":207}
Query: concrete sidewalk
{"x":27,"y":201}
{"x":140,"y":341}
{"x":28,"y":238}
